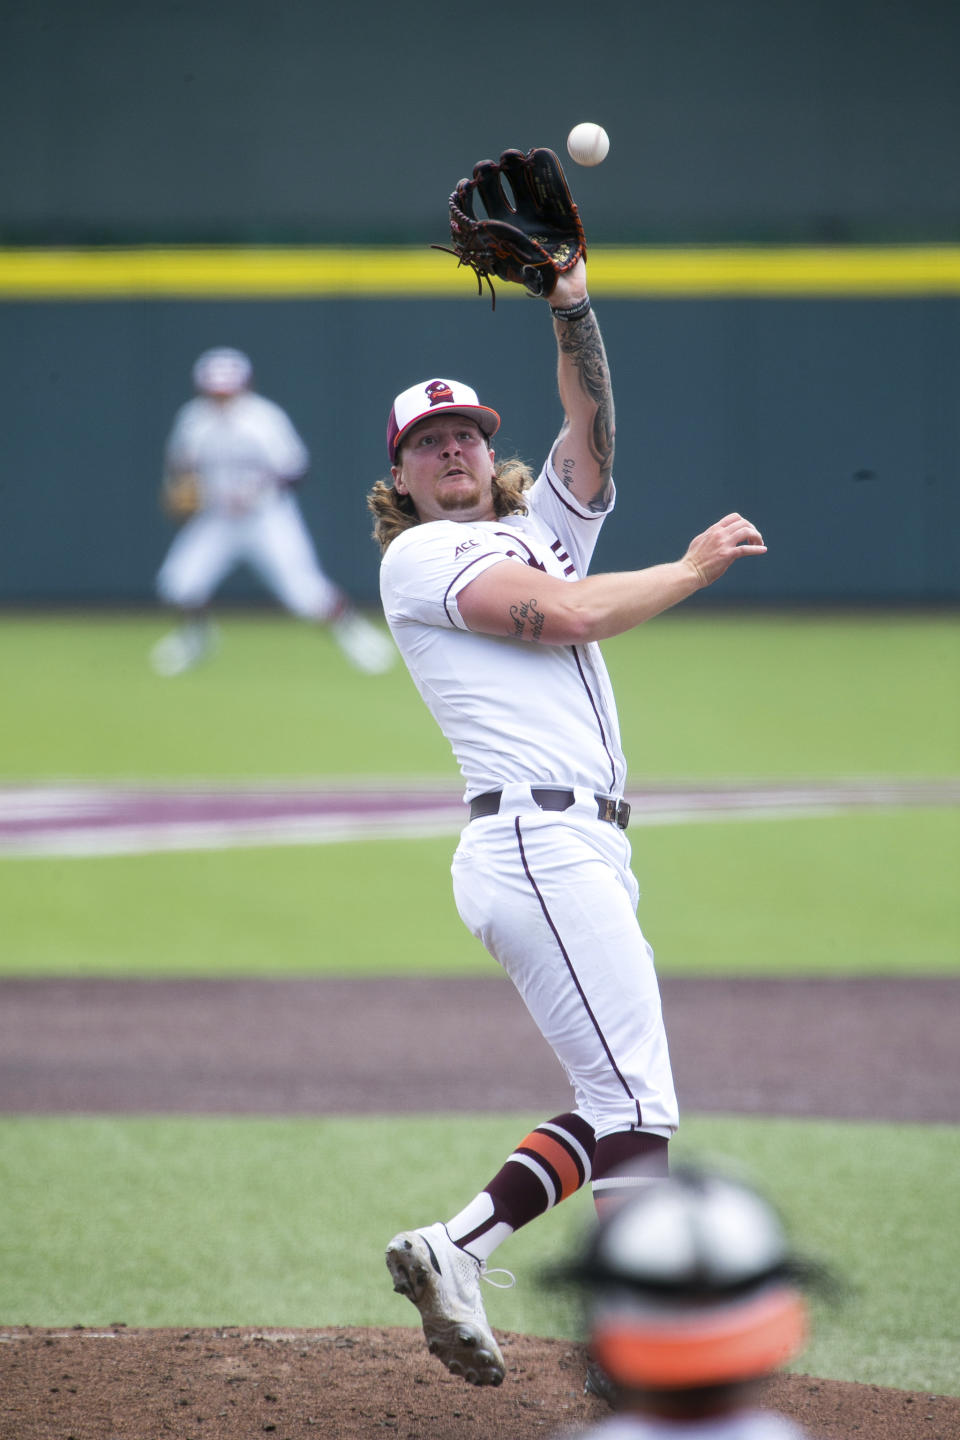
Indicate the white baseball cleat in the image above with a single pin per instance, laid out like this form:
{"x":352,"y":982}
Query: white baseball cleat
{"x":362,"y":643}
{"x":182,"y":649}
{"x":443,"y":1282}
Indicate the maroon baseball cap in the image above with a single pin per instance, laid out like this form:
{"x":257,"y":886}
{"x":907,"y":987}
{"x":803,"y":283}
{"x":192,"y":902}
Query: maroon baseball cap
{"x":432,"y":397}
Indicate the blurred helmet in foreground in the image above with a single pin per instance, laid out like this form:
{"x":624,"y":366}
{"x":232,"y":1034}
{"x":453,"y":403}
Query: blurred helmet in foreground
{"x":690,"y":1284}
{"x":222,"y":371}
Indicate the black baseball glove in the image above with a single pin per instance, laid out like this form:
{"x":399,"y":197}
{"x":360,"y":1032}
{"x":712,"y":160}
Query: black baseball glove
{"x":532,"y":232}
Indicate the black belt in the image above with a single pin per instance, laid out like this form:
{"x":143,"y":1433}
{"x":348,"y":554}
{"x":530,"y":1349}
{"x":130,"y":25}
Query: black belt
{"x":608,"y":806}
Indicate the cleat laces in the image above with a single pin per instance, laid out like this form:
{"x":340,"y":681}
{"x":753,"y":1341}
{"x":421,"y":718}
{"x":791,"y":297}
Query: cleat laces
{"x":488,"y":1275}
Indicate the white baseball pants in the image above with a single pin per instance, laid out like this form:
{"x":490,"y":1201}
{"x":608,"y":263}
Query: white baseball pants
{"x":552,"y":897}
{"x":272,"y":539}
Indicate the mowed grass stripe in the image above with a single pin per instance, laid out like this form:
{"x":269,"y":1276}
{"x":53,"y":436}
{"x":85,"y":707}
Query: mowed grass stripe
{"x":208,"y":1222}
{"x":862,"y":893}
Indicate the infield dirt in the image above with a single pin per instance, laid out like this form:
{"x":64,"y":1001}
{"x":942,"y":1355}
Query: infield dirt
{"x":358,"y":1385}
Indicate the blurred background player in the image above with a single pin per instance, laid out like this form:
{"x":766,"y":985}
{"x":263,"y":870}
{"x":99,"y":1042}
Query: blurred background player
{"x":693,"y":1302}
{"x":231,"y":461}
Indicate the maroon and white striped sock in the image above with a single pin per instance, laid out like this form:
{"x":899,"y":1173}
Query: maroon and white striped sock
{"x":623,"y":1162}
{"x":548,"y":1165}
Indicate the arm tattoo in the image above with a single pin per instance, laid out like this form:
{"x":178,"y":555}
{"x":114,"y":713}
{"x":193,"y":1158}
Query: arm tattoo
{"x":527,"y":615}
{"x":582,"y":342}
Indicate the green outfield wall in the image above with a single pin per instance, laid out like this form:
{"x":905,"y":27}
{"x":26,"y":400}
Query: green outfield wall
{"x":774,"y":252}
{"x":819,"y":121}
{"x":816,"y":390}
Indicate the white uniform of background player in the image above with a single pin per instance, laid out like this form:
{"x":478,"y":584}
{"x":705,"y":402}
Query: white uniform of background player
{"x":497,"y":620}
{"x":241,"y":454}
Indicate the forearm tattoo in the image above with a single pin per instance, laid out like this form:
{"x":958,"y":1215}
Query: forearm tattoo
{"x":527,"y":620}
{"x":582,"y":343}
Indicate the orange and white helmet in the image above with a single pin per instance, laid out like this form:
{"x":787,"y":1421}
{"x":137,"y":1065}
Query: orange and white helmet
{"x":690,"y":1284}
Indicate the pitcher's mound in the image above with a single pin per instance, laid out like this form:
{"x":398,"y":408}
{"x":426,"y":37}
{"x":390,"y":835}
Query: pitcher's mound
{"x":350,"y":1384}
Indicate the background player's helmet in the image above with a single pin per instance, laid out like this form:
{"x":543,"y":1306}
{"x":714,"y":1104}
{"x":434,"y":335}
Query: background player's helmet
{"x":222,"y":371}
{"x":690,"y":1284}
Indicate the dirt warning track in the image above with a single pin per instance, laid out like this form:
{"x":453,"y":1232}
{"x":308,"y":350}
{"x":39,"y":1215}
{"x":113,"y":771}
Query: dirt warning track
{"x":869,"y":1048}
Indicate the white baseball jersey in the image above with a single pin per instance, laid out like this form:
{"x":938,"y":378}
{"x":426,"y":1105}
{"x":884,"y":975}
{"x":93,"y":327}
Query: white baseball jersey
{"x":241,"y":449}
{"x":550,"y":894}
{"x":748,"y":1425}
{"x":511,"y":710}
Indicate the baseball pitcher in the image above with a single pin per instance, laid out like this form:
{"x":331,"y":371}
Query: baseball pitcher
{"x":485,"y":586}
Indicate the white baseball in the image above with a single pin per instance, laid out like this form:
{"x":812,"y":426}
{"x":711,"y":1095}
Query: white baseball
{"x":588,"y":143}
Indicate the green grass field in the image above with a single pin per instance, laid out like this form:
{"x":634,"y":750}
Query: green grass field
{"x":235,"y":1221}
{"x":848,"y":894}
{"x":727,"y":695}
{"x":179,"y":1222}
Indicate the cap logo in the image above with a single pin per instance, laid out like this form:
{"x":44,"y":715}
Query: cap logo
{"x":439,"y":393}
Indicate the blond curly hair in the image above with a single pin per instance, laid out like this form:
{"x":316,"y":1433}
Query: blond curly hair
{"x":394,"y":513}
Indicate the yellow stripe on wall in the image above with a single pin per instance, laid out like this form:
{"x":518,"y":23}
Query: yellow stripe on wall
{"x":338,"y":272}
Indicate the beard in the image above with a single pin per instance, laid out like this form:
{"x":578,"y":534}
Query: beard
{"x":465,"y":494}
